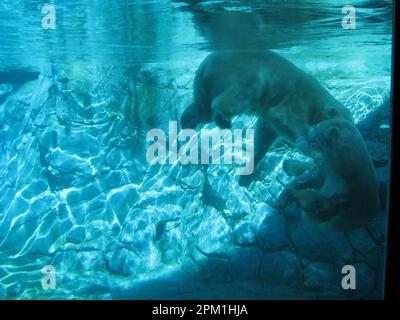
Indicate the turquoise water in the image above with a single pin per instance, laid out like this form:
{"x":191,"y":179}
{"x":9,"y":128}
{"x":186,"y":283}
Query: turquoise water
{"x":77,"y":193}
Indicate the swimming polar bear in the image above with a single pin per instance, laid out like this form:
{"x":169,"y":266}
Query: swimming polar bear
{"x":287,"y":101}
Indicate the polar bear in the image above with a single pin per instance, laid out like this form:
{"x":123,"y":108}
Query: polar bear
{"x":286,"y":100}
{"x":341,"y":191}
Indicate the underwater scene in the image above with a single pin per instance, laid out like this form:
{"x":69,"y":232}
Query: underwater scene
{"x":172,"y":149}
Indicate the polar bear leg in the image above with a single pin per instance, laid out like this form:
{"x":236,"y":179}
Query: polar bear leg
{"x":264,"y":137}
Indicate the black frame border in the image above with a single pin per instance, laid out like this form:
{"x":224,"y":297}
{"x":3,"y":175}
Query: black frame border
{"x":392,"y":276}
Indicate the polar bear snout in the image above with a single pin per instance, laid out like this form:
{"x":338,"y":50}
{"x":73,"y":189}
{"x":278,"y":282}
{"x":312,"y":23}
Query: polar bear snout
{"x":308,"y":147}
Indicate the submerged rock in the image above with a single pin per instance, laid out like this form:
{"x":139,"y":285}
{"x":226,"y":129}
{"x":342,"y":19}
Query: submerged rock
{"x":139,"y":231}
{"x":133,"y":265}
{"x":214,"y":234}
{"x":245,"y":264}
{"x":361,"y":240}
{"x":77,"y":235}
{"x":90,"y":261}
{"x":324,"y":278}
{"x":281,"y":268}
{"x":126,"y":263}
{"x":273,"y":233}
{"x":214,"y":270}
{"x":316,"y":245}
{"x":244,"y":234}
{"x":66,"y":170}
{"x":115,"y":260}
{"x":211,"y":198}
